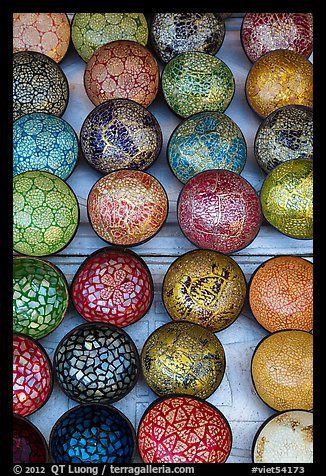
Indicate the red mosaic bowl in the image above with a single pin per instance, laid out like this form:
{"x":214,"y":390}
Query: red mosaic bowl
{"x":127,"y":207}
{"x":122,"y":69}
{"x":114,"y":286}
{"x":32,"y":375}
{"x":29,"y":445}
{"x":219,"y":210}
{"x":183,"y":429}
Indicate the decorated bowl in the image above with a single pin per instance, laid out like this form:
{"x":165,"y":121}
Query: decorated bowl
{"x":29,"y":445}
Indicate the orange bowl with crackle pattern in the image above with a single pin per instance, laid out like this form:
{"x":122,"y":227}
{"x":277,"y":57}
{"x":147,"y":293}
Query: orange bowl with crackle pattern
{"x":277,"y":79}
{"x":282,"y":370}
{"x":122,"y":69}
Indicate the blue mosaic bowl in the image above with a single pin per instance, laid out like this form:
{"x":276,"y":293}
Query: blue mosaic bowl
{"x":92,"y":434}
{"x":206,"y":141}
{"x":44,"y":142}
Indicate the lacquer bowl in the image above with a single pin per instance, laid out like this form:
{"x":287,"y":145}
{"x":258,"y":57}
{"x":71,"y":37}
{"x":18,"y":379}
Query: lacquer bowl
{"x":29,"y":445}
{"x":92,"y":433}
{"x":182,"y":429}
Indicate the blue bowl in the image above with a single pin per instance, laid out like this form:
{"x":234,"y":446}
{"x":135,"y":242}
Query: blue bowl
{"x":92,"y":434}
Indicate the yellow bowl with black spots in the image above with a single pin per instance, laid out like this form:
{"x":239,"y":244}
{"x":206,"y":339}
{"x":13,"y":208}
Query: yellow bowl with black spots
{"x":183,"y":358}
{"x":204,"y":287}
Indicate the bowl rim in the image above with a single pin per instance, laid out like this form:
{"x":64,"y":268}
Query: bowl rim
{"x":31,"y":426}
{"x":106,"y":250}
{"x":200,"y":328}
{"x":142,"y":241}
{"x":159,"y":400}
{"x":107,"y":407}
{"x":240,"y":178}
{"x":92,"y":325}
{"x":46,"y":357}
{"x":195,"y":251}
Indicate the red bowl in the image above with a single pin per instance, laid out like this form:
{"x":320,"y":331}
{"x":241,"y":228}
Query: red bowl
{"x":113,"y":285}
{"x":29,"y":445}
{"x":183,"y":429}
{"x":122,"y":69}
{"x":219,"y":210}
{"x":127,"y":207}
{"x":32,"y":375}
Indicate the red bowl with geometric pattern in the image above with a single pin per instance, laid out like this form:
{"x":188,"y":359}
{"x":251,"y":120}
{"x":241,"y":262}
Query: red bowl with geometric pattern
{"x":32,"y":375}
{"x":183,"y":429}
{"x":113,"y":285}
{"x":29,"y":445}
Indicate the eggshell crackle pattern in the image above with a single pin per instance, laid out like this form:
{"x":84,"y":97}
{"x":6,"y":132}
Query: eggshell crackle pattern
{"x":194,"y":82}
{"x":46,"y":213}
{"x":285,"y":438}
{"x":204,"y":141}
{"x":47,"y":33}
{"x":174,"y":33}
{"x":96,"y":363}
{"x":113,"y":286}
{"x":285,"y":134}
{"x":89,"y":31}
{"x":282,"y":370}
{"x":32,"y":375}
{"x":39,"y":85}
{"x":204,"y":287}
{"x":219,"y":210}
{"x":92,"y":433}
{"x":281,"y":294}
{"x":120,"y":134}
{"x":287,"y":198}
{"x":277,"y":79}
{"x":184,"y":430}
{"x":265,"y":32}
{"x":44,"y":142}
{"x":40,"y":296}
{"x":127,"y":207}
{"x":122,"y":69}
{"x":29,"y":445}
{"x":183,"y":358}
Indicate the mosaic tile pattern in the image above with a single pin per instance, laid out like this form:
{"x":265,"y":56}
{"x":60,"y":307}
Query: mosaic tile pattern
{"x":44,"y":142}
{"x":113,"y":286}
{"x":204,"y":287}
{"x":277,"y":79}
{"x":281,"y":294}
{"x":92,"y":434}
{"x":204,"y":141}
{"x":47,"y":33}
{"x":174,"y":33}
{"x":127,"y":207}
{"x":287,"y":198}
{"x":285,"y":134}
{"x":265,"y":32}
{"x":194,"y":82}
{"x":39,"y":85}
{"x":89,"y":31}
{"x":184,"y":430}
{"x":46,"y":213}
{"x":122,"y":69}
{"x":32,"y":375}
{"x":40,"y":296}
{"x":285,"y":437}
{"x":282,"y":370}
{"x":96,"y":363}
{"x":29,"y":445}
{"x":219,"y":210}
{"x":183,"y":358}
{"x":120,"y":134}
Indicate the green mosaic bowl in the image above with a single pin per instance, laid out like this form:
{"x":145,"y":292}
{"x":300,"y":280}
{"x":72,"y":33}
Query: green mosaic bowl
{"x":195,"y":81}
{"x":287,"y":198}
{"x":46,"y":213}
{"x":40,"y":296}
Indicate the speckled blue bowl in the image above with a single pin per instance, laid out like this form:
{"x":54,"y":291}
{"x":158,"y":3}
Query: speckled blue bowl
{"x":92,"y":434}
{"x":204,"y":141}
{"x":44,"y":142}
